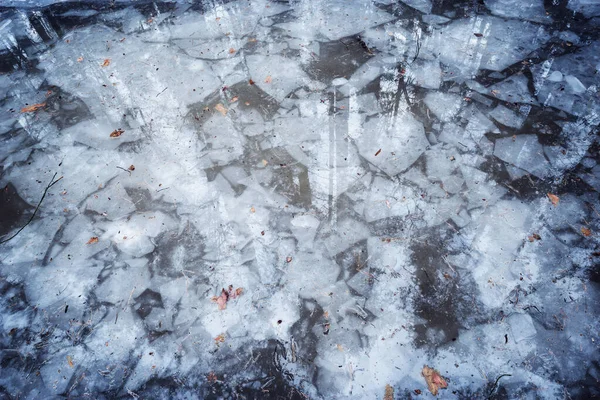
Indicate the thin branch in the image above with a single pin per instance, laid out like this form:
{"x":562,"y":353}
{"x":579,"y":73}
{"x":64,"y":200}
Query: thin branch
{"x":52,"y":183}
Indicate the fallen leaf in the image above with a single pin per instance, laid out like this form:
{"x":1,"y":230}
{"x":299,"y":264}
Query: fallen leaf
{"x":247,"y":103}
{"x":116,"y":133}
{"x":231,"y":50}
{"x":264,"y":162}
{"x":534,"y":237}
{"x":252,"y":40}
{"x":268,"y":79}
{"x":234,"y":99}
{"x":251,"y":82}
{"x":238,"y":292}
{"x":478,"y":34}
{"x":417,"y":391}
{"x":288,"y":259}
{"x":150,"y":20}
{"x":553,"y":198}
{"x":389,"y":393}
{"x":222,"y":299}
{"x":80,"y":59}
{"x":225,"y":295}
{"x":33,"y":107}
{"x":585,"y":231}
{"x":220,"y":338}
{"x":106,"y":62}
{"x":211,"y":377}
{"x":70,"y":361}
{"x":93,"y":239}
{"x":378,"y":152}
{"x":131,"y":167}
{"x":220,"y":108}
{"x":434,"y":380}
{"x":340,"y":348}
{"x":252,"y":210}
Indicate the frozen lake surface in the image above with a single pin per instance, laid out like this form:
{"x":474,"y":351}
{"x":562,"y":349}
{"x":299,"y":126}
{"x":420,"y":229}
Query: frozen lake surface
{"x":300,"y":200}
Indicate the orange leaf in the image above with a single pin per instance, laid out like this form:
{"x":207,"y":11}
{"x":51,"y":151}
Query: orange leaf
{"x":70,"y":361}
{"x":220,"y":338}
{"x":553,"y":198}
{"x":93,"y":239}
{"x":211,"y":377}
{"x":231,"y":50}
{"x":268,"y":79}
{"x":221,"y":300}
{"x":33,"y":107}
{"x":220,"y":108}
{"x":80,"y":59}
{"x":586,"y":231}
{"x":106,"y":62}
{"x":434,"y":380}
{"x":116,"y":133}
{"x":251,"y":82}
{"x":389,"y":393}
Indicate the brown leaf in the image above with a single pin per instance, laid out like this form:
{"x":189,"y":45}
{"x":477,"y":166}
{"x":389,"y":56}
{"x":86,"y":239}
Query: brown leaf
{"x":220,"y":108}
{"x":80,"y":59}
{"x":131,"y":167}
{"x":222,"y":300}
{"x":378,"y":152}
{"x":234,"y":99}
{"x":288,"y":259}
{"x":70,"y":361}
{"x":389,"y":393}
{"x":237,"y":293}
{"x":231,"y":50}
{"x":553,"y":198}
{"x":268,"y":79}
{"x":434,"y":380}
{"x":252,"y":210}
{"x":586,"y":231}
{"x":93,"y":240}
{"x":220,"y":338}
{"x":251,"y":82}
{"x":225,"y":295}
{"x":116,"y":133}
{"x":33,"y":107}
{"x":211,"y":377}
{"x":534,"y":237}
{"x":478,"y":34}
{"x":106,"y":62}
{"x":417,"y":391}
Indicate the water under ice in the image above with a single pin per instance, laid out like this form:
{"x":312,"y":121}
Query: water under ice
{"x":388,"y":184}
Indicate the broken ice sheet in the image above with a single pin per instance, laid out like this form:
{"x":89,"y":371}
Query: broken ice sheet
{"x":370,"y":173}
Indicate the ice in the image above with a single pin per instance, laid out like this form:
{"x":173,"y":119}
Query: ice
{"x":589,"y":8}
{"x":458,"y":44}
{"x":392,"y":144}
{"x":525,"y":152}
{"x":422,"y":5}
{"x":531,"y":11}
{"x":521,"y":326}
{"x":443,"y":105}
{"x":309,"y":199}
{"x":507,"y":117}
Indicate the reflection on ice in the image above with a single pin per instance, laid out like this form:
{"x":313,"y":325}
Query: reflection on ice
{"x":310,"y":199}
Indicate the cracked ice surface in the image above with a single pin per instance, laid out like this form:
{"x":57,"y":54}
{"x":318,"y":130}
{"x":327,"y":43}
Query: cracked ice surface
{"x":372,"y":175}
